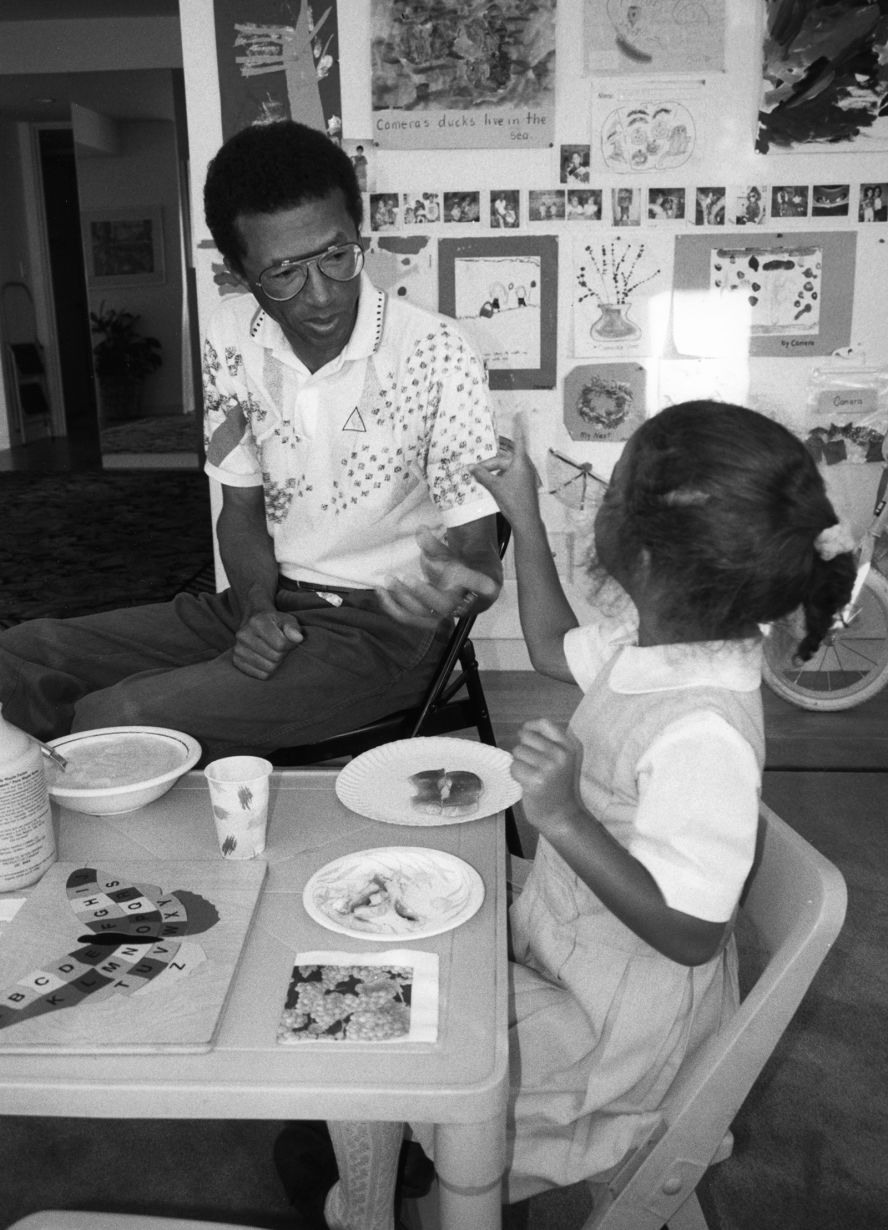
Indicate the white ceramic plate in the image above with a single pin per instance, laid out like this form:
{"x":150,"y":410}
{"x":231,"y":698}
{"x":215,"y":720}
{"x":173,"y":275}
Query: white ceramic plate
{"x":395,"y":892}
{"x":377,"y":783}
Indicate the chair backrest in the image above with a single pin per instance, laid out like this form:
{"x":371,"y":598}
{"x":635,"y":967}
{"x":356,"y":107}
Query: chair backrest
{"x":796,"y":900}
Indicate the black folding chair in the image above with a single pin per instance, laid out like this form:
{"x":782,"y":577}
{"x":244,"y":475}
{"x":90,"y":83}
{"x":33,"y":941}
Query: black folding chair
{"x":454,"y":701}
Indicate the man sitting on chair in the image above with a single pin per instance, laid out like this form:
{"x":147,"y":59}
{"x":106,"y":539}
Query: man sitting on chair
{"x":341,"y":424}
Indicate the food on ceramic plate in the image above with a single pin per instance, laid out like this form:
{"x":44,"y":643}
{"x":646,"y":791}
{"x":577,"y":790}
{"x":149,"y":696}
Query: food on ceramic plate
{"x":454,"y":792}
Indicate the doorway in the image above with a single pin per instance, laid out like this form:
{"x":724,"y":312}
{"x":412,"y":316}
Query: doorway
{"x":58,"y":169}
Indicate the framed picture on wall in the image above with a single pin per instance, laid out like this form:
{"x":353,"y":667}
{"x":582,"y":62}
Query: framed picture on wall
{"x":123,"y":247}
{"x":504,"y":293}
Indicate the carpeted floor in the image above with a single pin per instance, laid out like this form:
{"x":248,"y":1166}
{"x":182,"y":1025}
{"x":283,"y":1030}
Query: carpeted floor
{"x":75,"y":542}
{"x":179,"y":433}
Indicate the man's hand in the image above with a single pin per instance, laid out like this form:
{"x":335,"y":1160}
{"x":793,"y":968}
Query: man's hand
{"x":449,"y":587}
{"x":264,"y":641}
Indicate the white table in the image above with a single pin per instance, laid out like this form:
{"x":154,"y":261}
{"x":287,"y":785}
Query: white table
{"x":459,"y":1083}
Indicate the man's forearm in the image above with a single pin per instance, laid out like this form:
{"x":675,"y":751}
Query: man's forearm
{"x":248,"y":558}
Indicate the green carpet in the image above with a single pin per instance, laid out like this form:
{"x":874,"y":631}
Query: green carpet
{"x":72,"y":543}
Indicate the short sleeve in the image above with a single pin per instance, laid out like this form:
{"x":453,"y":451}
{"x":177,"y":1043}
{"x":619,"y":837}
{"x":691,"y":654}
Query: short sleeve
{"x":460,"y":426}
{"x":697,"y":817}
{"x":589,"y":647}
{"x":231,"y":455}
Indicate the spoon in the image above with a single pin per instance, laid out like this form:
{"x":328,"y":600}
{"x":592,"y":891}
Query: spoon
{"x":52,"y":754}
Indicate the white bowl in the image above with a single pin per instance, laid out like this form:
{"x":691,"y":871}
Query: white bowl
{"x":140,"y":762}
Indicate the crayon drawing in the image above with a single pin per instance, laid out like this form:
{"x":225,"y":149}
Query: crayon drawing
{"x":654,"y":36}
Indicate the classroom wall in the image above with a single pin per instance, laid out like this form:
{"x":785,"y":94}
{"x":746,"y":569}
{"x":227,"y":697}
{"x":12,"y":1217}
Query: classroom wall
{"x":690,"y":347}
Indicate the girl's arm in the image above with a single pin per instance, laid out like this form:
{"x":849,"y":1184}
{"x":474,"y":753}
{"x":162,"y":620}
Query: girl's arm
{"x":545,"y":765}
{"x":545,"y":613}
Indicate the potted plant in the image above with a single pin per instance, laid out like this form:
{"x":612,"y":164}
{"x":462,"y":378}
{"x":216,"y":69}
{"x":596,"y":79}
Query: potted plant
{"x":123,"y":359}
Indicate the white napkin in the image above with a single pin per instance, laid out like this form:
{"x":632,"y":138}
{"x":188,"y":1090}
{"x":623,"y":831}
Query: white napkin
{"x":389,"y":996}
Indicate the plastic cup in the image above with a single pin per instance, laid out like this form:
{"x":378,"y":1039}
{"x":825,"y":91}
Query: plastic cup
{"x":239,"y":797}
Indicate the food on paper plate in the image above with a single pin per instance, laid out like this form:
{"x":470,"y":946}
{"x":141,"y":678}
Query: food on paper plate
{"x":446,"y":793}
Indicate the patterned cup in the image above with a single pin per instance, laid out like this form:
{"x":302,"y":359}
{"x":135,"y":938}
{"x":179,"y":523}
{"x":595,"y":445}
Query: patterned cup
{"x":239,"y":797}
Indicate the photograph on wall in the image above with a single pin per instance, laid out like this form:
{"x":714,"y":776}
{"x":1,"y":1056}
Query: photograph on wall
{"x":750,"y":205}
{"x":786,"y":295}
{"x":404,"y":266}
{"x":604,"y":401}
{"x":584,"y":205}
{"x":666,"y":204}
{"x":824,"y":84}
{"x":643,"y":134}
{"x":620,"y":298}
{"x":873,"y":203}
{"x":363,"y":158}
{"x":709,"y":206}
{"x":545,"y":205}
{"x":504,"y":293}
{"x":385,"y":211}
{"x":463,"y":75}
{"x":654,"y":36}
{"x":505,"y":208}
{"x":789,"y":201}
{"x":420,"y":208}
{"x":830,"y":200}
{"x":626,"y":206}
{"x":278,"y":60}
{"x":574,"y":163}
{"x":462,"y":207}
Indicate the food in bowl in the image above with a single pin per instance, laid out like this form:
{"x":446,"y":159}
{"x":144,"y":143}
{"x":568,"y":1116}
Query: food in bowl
{"x":118,"y":769}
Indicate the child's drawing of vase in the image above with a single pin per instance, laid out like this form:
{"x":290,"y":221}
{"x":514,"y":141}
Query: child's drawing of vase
{"x":614,"y":325}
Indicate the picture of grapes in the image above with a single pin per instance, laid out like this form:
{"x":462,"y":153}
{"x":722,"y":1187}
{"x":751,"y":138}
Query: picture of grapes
{"x":347,"y":1003}
{"x":782,"y":287}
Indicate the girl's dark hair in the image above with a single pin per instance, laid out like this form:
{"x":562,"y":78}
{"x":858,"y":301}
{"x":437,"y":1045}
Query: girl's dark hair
{"x":728,"y":503}
{"x":269,"y":167}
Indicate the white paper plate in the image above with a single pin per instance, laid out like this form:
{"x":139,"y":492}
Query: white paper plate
{"x":377,"y":783}
{"x":403,"y":892}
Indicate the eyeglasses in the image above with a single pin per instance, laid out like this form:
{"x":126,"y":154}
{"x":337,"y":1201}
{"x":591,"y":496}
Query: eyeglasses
{"x":340,"y":263}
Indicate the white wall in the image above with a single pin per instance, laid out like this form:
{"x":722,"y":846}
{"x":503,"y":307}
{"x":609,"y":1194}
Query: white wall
{"x":725,"y":106}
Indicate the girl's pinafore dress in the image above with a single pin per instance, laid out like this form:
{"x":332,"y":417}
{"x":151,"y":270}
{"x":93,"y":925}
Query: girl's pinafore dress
{"x":600,"y":1021}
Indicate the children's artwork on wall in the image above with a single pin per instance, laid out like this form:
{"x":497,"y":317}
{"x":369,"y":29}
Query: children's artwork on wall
{"x":788,"y":201}
{"x":545,"y":205}
{"x":666,"y":204}
{"x":604,"y":401}
{"x":584,"y":205}
{"x":503,"y":291}
{"x":709,"y":208}
{"x":363,"y":158}
{"x":830,"y":200}
{"x":404,"y":266}
{"x":574,"y":483}
{"x":788,"y":295}
{"x":505,"y":208}
{"x":750,"y":205}
{"x":620,"y":294}
{"x":823,"y":77}
{"x":654,"y":36}
{"x":873,"y":203}
{"x":643,"y":134}
{"x":278,"y":60}
{"x":574,"y":164}
{"x":626,"y":206}
{"x":462,"y":75}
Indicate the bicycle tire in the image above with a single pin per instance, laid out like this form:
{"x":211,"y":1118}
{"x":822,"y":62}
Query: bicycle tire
{"x":850,"y":667}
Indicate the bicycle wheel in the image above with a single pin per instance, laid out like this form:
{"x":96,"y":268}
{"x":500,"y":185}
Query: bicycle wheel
{"x":849,"y":667}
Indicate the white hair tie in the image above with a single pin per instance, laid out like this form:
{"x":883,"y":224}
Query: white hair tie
{"x":834,"y":540}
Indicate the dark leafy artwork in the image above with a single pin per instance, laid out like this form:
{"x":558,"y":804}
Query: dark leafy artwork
{"x":825,"y":72}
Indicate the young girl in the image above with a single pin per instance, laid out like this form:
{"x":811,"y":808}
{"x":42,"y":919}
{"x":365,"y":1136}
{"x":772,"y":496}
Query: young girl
{"x":716,"y":521}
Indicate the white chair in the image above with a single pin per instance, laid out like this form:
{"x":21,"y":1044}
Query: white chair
{"x":56,"y":1219}
{"x":795,"y":900}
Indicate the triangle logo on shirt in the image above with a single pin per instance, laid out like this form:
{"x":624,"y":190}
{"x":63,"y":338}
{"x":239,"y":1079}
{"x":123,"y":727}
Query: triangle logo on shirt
{"x":354,"y":422}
